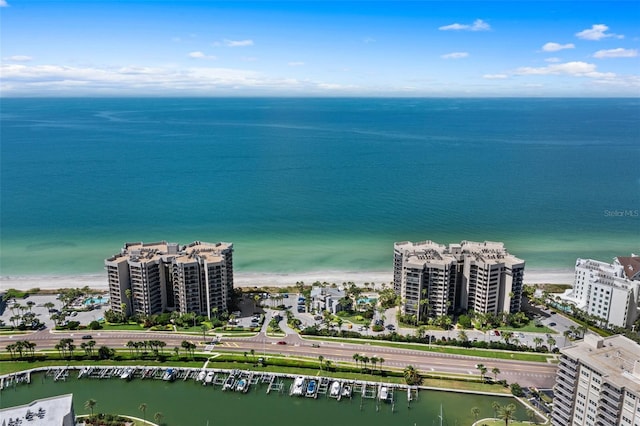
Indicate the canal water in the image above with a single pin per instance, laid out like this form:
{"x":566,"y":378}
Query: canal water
{"x":191,"y":404}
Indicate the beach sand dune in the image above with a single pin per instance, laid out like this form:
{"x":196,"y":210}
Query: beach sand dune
{"x":255,"y":279}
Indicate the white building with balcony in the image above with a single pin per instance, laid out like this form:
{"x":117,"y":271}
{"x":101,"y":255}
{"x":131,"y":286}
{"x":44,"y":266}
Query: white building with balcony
{"x":610,"y":292}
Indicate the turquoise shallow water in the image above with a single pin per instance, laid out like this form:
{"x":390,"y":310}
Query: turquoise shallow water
{"x":316,"y":184}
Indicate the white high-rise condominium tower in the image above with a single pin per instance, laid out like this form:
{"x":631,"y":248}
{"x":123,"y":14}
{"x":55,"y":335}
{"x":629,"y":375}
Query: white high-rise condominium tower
{"x":610,"y":292}
{"x":163,"y":276}
{"x":433,"y":279}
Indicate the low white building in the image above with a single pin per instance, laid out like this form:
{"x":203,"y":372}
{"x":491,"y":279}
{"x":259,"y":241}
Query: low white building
{"x":327,"y":299}
{"x":54,"y":411}
{"x":608,"y":291}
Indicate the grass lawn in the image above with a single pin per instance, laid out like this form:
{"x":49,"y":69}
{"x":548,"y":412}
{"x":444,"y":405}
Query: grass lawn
{"x":529,"y":328}
{"x":488,"y":353}
{"x":117,"y":327}
{"x":501,"y":423}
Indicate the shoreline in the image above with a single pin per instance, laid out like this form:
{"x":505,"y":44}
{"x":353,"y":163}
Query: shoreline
{"x":258,"y":279}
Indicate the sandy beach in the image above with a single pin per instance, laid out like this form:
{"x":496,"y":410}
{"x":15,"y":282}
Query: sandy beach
{"x":255,"y":279}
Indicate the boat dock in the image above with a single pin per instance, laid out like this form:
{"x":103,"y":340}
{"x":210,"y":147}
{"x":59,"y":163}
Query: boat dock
{"x":234,"y":380}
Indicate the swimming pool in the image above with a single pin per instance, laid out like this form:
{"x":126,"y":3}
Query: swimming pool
{"x":100,"y":300}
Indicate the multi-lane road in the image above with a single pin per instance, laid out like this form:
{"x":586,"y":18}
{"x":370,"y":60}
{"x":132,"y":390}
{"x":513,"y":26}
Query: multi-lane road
{"x":525,"y":373}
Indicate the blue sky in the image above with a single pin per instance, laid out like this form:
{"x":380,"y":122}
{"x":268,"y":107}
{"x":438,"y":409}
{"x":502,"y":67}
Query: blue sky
{"x":319,"y":48}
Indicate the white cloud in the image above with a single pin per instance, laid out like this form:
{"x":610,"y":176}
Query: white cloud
{"x":616,"y":53}
{"x":21,"y":79}
{"x":200,"y":55}
{"x":368,"y":40}
{"x":576,"y":69}
{"x":478,"y":25}
{"x":3,"y":3}
{"x":18,"y":58}
{"x":238,"y":43}
{"x":495,"y":76}
{"x":455,"y":55}
{"x":554,"y":47}
{"x":596,"y":32}
{"x":553,"y":59}
{"x":295,"y":64}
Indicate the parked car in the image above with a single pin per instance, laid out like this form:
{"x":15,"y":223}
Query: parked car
{"x":496,"y":333}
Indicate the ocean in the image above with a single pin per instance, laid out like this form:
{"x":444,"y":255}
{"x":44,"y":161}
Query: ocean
{"x":316,"y":184}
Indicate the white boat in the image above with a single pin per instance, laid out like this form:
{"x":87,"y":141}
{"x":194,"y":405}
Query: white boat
{"x":335,"y":389}
{"x":228,"y":383}
{"x":242,"y":385}
{"x":127,"y":374}
{"x":201,"y":376}
{"x":383,"y":394}
{"x":169,"y":375}
{"x":298,"y":386}
{"x":209,"y":378}
{"x":346,"y":391}
{"x":82,"y":373}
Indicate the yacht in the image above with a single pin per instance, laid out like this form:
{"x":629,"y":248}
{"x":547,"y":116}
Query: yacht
{"x":242,"y":385}
{"x":346,"y":391}
{"x":208,"y":378}
{"x":311,"y":388}
{"x":335,"y":389}
{"x":169,"y":375}
{"x":383,"y":394}
{"x":127,"y":374}
{"x":298,"y":386}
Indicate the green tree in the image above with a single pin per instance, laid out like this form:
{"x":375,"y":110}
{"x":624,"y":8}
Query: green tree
{"x":482,"y":369}
{"x":90,"y":404}
{"x":127,"y":293}
{"x":495,"y":371}
{"x":496,"y":408}
{"x":320,"y":358}
{"x":143,"y":408}
{"x":507,"y":413}
{"x":204,"y":328}
{"x":158,"y":417}
{"x":476,"y":413}
{"x":411,"y":375}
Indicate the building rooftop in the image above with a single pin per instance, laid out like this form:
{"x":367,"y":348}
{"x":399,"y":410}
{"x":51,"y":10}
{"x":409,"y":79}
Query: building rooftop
{"x":41,"y":412}
{"x":488,"y":252}
{"x":151,"y":252}
{"x":616,"y":357}
{"x":631,"y":266}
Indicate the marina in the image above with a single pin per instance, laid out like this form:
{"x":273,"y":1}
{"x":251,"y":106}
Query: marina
{"x":230,"y":389}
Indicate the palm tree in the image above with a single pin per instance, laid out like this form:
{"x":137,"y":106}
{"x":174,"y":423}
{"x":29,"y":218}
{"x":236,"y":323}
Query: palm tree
{"x":482,"y":369}
{"x":143,"y":408}
{"x":158,"y":417}
{"x":90,"y":404}
{"x":507,"y":413}
{"x":204,"y":327}
{"x":356,"y":358}
{"x":496,"y":408}
{"x":380,"y":361}
{"x":411,"y":375}
{"x":127,"y":293}
{"x":495,"y":371}
{"x":537,"y":341}
{"x":320,"y":358}
{"x":476,"y":412}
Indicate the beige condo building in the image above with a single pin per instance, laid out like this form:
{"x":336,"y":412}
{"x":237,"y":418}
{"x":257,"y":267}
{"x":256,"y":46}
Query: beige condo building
{"x":162,"y":276}
{"x":598,"y":383}
{"x":433,"y":279}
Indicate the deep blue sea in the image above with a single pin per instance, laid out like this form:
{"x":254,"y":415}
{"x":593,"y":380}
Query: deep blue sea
{"x":316,"y":184}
